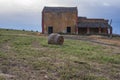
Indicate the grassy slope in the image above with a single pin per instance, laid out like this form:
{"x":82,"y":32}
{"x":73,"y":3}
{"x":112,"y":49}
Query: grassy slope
{"x":24,"y":56}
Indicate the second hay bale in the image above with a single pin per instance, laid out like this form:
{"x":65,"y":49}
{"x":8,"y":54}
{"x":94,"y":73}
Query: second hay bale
{"x":55,"y":38}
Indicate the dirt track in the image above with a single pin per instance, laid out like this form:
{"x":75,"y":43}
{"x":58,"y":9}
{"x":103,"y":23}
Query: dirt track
{"x":102,"y":40}
{"x":113,"y":44}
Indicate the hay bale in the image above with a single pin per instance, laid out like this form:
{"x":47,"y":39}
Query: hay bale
{"x":55,"y":38}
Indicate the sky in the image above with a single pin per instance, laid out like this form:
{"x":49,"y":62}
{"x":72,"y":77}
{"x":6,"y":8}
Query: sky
{"x":26,"y":14}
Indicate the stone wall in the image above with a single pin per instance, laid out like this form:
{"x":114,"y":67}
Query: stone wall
{"x":59,"y":21}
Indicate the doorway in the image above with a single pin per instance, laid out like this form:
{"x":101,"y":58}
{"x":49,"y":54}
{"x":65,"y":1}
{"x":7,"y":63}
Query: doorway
{"x":68,"y":29}
{"x":50,"y":29}
{"x":82,"y":31}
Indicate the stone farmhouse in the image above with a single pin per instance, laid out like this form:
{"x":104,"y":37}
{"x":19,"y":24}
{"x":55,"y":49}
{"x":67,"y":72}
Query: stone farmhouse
{"x":66,"y":20}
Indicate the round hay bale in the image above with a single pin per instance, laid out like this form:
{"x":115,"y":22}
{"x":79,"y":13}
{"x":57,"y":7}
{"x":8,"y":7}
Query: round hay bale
{"x":55,"y":38}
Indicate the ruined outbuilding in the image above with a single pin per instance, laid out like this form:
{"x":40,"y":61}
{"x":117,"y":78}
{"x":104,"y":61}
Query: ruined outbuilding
{"x":66,"y":20}
{"x":93,"y":26}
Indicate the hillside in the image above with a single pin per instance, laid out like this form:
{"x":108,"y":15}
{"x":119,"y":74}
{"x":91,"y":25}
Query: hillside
{"x":26,"y":56}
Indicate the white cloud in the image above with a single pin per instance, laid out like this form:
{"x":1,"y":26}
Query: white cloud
{"x":8,"y":6}
{"x":17,"y":6}
{"x":106,"y":4}
{"x":24,"y":2}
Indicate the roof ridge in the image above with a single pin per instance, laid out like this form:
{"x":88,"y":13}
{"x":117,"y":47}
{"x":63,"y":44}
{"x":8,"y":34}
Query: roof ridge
{"x":60,"y":9}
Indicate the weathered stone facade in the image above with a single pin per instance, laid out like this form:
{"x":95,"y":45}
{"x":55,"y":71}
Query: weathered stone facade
{"x":59,"y":20}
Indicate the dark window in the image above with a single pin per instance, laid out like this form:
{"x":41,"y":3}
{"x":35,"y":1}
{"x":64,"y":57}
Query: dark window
{"x":50,"y":29}
{"x":68,"y":29}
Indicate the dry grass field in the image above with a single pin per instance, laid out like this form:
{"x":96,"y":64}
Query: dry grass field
{"x":25,"y":55}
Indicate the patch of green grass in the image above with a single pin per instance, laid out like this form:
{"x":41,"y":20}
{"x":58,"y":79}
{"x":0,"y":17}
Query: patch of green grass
{"x":3,"y":55}
{"x":2,"y":78}
{"x":22,"y":42}
{"x":102,"y":57}
{"x":93,"y":77}
{"x":4,"y":38}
